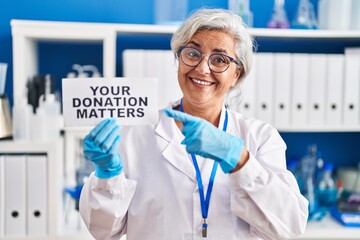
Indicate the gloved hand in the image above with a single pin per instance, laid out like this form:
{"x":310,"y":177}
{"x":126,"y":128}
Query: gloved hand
{"x":101,"y":147}
{"x":203,"y":139}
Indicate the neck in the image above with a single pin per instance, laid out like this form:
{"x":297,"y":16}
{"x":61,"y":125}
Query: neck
{"x":209,"y":112}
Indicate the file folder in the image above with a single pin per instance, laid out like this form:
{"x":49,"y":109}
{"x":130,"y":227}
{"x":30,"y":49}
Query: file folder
{"x":265,"y":86}
{"x":299,"y":91}
{"x":37,"y":195}
{"x":133,"y":63}
{"x":171,"y":78}
{"x":247,"y":94}
{"x":155,"y":63}
{"x":317,"y":89}
{"x":335,"y":78}
{"x":282,"y":81}
{"x":342,"y":10}
{"x":2,"y":197}
{"x":351,"y":90}
{"x":15,"y":195}
{"x":155,"y":67}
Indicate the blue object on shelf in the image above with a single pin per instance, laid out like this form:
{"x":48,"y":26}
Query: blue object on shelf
{"x":74,"y":192}
{"x":349,"y":219}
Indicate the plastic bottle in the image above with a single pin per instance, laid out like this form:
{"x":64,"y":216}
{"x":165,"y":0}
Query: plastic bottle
{"x":323,"y":11}
{"x":307,"y":179}
{"x":52,"y":111}
{"x":38,"y":128}
{"x":22,"y":115}
{"x":242,"y":8}
{"x":48,"y":116}
{"x":327,"y":189}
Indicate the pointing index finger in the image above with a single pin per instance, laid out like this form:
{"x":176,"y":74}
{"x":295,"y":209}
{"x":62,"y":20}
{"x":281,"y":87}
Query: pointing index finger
{"x":177,"y":115}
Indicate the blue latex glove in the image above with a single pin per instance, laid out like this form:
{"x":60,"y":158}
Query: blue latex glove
{"x":203,"y":139}
{"x":101,"y":147}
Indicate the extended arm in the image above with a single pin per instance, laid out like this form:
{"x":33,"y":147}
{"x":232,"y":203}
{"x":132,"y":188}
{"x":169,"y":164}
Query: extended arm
{"x":107,"y":194}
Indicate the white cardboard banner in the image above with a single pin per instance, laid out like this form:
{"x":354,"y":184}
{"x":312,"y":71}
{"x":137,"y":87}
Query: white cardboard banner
{"x":132,"y":101}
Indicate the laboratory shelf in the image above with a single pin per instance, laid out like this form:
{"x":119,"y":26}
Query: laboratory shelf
{"x":304,"y":33}
{"x":315,"y":128}
{"x":52,"y":29}
{"x":328,"y":228}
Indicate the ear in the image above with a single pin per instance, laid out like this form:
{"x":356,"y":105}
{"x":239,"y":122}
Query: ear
{"x":236,"y":76}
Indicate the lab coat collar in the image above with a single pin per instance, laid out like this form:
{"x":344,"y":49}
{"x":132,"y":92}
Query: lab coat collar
{"x":174,"y":152}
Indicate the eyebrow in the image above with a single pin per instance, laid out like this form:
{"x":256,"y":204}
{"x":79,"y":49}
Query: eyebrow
{"x":218,"y":50}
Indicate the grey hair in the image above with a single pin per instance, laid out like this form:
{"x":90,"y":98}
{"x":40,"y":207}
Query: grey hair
{"x":218,"y":19}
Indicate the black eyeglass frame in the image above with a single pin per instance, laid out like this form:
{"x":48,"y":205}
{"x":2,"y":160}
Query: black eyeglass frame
{"x":239,"y":64}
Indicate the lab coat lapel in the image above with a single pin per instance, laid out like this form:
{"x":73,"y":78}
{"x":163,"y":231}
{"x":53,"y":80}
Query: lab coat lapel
{"x":174,"y":152}
{"x":206,"y":169}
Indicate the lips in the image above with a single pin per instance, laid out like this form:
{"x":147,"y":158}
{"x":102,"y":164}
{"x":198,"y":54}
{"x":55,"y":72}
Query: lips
{"x":201,"y":82}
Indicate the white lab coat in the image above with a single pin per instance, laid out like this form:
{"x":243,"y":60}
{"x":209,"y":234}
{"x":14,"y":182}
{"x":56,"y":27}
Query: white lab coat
{"x":156,"y":197}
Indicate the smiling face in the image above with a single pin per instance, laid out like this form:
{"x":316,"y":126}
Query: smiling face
{"x":201,"y":86}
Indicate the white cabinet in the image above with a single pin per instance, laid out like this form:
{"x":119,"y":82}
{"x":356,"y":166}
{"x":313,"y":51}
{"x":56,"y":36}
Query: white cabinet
{"x":27,"y":34}
{"x":53,"y":150}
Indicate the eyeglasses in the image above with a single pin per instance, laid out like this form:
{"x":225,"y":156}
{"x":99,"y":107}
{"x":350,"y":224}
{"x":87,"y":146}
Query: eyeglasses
{"x":217,"y":62}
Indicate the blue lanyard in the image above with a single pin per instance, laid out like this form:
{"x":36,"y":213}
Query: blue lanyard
{"x":205,"y":202}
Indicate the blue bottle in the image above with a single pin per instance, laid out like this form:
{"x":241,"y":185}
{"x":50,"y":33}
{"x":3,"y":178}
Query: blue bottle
{"x":327,"y":190}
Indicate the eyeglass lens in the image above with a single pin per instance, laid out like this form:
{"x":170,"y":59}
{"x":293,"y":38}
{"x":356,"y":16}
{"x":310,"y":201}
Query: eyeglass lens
{"x":192,"y":57}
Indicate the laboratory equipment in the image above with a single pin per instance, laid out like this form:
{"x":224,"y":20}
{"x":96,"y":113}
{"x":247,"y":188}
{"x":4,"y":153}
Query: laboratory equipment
{"x":279,"y":17}
{"x":5,"y":118}
{"x":305,"y":17}
{"x":307,"y":182}
{"x":22,"y":114}
{"x":52,"y":110}
{"x":348,"y":205}
{"x":3,"y":69}
{"x":85,"y":71}
{"x":327,"y":189}
{"x":93,"y":70}
{"x":242,"y":8}
{"x":5,"y":115}
{"x":350,"y":176}
{"x":339,"y":14}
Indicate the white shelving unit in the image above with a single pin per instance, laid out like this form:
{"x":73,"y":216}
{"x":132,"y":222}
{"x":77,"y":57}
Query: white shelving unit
{"x":27,"y":34}
{"x":54,"y":150}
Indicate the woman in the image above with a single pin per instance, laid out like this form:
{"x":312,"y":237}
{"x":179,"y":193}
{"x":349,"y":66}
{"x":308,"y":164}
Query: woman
{"x":163,"y":182}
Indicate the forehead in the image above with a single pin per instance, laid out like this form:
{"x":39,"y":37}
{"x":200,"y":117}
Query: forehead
{"x":214,"y":39}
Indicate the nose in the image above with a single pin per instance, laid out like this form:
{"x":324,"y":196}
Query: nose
{"x":203,"y":66}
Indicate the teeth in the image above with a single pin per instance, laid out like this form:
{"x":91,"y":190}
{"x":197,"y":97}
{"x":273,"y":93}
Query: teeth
{"x":201,"y":82}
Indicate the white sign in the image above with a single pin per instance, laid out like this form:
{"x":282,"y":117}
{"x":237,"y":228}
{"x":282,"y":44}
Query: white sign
{"x":132,"y":101}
